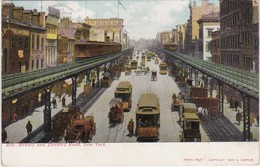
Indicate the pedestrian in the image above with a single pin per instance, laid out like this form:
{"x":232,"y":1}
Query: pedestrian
{"x":93,"y":83}
{"x":29,"y":128}
{"x":63,"y":101}
{"x":238,"y":117}
{"x":54,"y":102}
{"x":14,"y":117}
{"x":4,"y":136}
{"x":174,"y":96}
{"x":130,"y":128}
{"x":236,"y":105}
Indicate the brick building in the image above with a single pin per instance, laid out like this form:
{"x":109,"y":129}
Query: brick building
{"x":23,"y":36}
{"x":239,"y":24}
{"x":23,"y":33}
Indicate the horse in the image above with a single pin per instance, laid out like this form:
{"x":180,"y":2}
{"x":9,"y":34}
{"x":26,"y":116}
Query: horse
{"x":202,"y":112}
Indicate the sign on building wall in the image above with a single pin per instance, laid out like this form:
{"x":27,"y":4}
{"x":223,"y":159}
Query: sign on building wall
{"x":97,"y":35}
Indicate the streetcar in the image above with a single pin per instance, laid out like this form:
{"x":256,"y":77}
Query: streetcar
{"x":163,"y":68}
{"x":134,"y":64}
{"x":148,"y":117}
{"x":124,"y":91}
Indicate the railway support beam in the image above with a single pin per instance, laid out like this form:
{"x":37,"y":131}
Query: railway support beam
{"x":205,"y":80}
{"x":221,"y":97}
{"x":47,"y":111}
{"x":98,"y":76}
{"x":190,"y":71}
{"x":74,"y":90}
{"x":246,"y":116}
{"x":87,"y":76}
{"x":196,"y":77}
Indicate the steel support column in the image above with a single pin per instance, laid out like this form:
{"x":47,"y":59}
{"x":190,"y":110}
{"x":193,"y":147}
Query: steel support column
{"x":196,"y":77}
{"x":87,"y":76}
{"x":246,"y":116}
{"x":98,"y":76}
{"x":190,"y":71}
{"x":205,"y":81}
{"x":74,"y":90}
{"x":47,"y":111}
{"x":221,"y":97}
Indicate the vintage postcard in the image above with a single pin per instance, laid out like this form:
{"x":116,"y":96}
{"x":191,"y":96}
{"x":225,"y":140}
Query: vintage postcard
{"x":130,"y":82}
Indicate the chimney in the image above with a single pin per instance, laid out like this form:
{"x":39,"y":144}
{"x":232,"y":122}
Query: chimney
{"x":41,"y":19}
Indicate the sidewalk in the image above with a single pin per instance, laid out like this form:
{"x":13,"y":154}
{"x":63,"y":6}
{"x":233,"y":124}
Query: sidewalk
{"x":231,"y":115}
{"x":17,"y":131}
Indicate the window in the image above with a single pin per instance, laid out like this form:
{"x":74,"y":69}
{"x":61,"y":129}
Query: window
{"x":37,"y":64}
{"x":20,"y":42}
{"x":42,"y":43}
{"x":26,"y":43}
{"x":32,"y":64}
{"x":5,"y":59}
{"x":38,"y":42}
{"x":13,"y":43}
{"x":33,"y":41}
{"x":208,"y":47}
{"x":13,"y":66}
{"x":41,"y":63}
{"x":210,"y":32}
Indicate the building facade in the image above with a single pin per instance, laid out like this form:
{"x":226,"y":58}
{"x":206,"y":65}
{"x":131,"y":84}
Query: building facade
{"x":215,"y":47}
{"x":106,"y":29}
{"x":52,"y":20}
{"x":207,"y":24}
{"x":239,"y":23}
{"x":196,"y":11}
{"x":23,"y":35}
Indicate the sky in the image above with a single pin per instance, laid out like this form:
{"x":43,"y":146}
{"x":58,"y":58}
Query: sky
{"x":142,"y":18}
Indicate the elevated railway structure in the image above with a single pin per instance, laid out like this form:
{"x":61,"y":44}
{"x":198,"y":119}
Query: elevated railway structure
{"x":243,"y":81}
{"x":15,"y":85}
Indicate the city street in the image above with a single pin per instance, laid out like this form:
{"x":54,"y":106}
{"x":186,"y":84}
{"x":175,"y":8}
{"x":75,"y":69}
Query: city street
{"x":163,"y":88}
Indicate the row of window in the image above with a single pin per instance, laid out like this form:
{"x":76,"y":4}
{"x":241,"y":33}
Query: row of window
{"x":247,"y":38}
{"x":230,"y":21}
{"x":228,"y":5}
{"x":230,"y":59}
{"x":230,"y":42}
{"x":51,"y":30}
{"x":102,"y":23}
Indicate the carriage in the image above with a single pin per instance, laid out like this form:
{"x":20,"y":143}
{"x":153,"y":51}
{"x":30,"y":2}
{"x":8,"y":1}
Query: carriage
{"x":154,"y":75}
{"x":106,"y":79}
{"x":116,"y":114}
{"x":80,"y":128}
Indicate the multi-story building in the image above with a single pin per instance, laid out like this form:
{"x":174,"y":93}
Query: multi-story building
{"x":239,"y":22}
{"x":207,"y":24}
{"x":179,"y":36}
{"x":66,"y":41}
{"x":196,"y":11}
{"x":165,"y":38}
{"x":52,"y":21}
{"x":215,"y":47}
{"x":23,"y":33}
{"x":100,"y":28}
